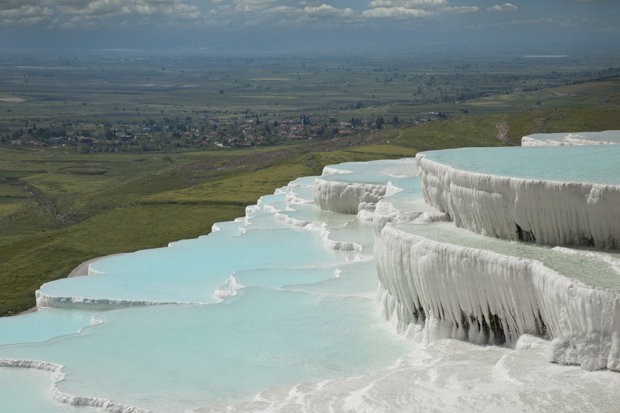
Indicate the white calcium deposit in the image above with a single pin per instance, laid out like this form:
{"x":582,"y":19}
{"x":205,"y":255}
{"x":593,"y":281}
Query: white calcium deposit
{"x":470,"y":294}
{"x":433,"y":289}
{"x":345,"y":197}
{"x":609,"y":137}
{"x":547,"y":212}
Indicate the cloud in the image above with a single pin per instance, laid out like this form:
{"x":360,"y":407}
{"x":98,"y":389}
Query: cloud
{"x":16,"y":4}
{"x":253,"y":5}
{"x":94,"y":13}
{"x":223,"y":13}
{"x":394,"y":12}
{"x":325,"y":11}
{"x":112,"y":14}
{"x":409,"y":4}
{"x":26,"y":15}
{"x":124,"y":7}
{"x":403,"y":9}
{"x":503,"y":8}
{"x":460,"y":9}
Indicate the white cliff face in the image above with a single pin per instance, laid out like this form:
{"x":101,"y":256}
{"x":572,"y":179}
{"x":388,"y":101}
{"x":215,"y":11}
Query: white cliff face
{"x":547,"y":212}
{"x":346,"y":197}
{"x":356,"y":187}
{"x":451,"y":291}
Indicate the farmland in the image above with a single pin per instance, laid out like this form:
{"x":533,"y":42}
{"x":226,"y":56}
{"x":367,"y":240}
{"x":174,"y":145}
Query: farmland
{"x":129,"y":102}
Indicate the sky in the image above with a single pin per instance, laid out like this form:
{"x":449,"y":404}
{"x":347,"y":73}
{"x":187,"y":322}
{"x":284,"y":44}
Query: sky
{"x":542,"y":26}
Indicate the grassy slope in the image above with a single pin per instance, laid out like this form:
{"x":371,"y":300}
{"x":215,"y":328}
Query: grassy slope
{"x":59,"y":209}
{"x":144,"y":201}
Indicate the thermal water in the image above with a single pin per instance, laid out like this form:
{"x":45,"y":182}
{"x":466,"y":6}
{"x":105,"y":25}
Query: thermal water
{"x":283,"y":295}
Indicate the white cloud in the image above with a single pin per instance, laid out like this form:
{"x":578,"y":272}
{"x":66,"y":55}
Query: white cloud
{"x":402,"y":9}
{"x":241,"y":13}
{"x":394,"y":12}
{"x":16,"y":4}
{"x":115,"y":13}
{"x":409,"y":4}
{"x":93,"y":13}
{"x":460,"y":9}
{"x":123,"y":7}
{"x":502,"y":8}
{"x":26,"y":15}
{"x":327,"y":11}
{"x":253,"y":5}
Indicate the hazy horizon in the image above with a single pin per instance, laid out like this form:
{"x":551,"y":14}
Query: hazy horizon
{"x":324,"y":27}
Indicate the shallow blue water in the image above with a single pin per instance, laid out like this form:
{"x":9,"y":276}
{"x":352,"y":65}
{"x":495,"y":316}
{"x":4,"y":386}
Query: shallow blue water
{"x":190,"y":272}
{"x":375,"y":172}
{"x":263,"y":301}
{"x":165,"y":358}
{"x":28,"y":391}
{"x":43,"y":325}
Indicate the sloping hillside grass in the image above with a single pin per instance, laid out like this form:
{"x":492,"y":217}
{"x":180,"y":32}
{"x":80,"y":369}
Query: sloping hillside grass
{"x":50,"y":223}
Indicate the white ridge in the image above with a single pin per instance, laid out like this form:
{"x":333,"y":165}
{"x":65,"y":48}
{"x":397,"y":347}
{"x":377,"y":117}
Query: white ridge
{"x":73,"y":400}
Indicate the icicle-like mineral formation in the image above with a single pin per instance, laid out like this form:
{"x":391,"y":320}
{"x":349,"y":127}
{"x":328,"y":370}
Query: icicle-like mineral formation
{"x":542,"y":211}
{"x":484,"y":297}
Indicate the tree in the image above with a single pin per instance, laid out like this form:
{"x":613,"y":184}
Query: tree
{"x":379,"y":122}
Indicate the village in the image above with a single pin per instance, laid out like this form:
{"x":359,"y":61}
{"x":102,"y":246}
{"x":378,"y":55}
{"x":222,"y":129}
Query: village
{"x":201,"y":131}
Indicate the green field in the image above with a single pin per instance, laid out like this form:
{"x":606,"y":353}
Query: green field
{"x":59,"y":208}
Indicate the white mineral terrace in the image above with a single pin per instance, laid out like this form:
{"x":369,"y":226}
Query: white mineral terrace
{"x":441,"y":281}
{"x":608,"y":137}
{"x":457,"y":284}
{"x":554,"y":196}
{"x":350,"y":187}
